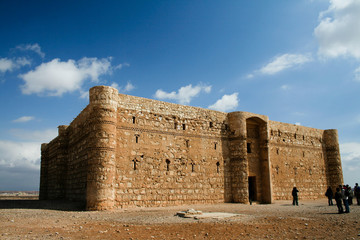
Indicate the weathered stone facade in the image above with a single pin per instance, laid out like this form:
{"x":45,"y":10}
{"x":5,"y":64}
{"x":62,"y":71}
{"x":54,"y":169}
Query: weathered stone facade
{"x":125,"y":151}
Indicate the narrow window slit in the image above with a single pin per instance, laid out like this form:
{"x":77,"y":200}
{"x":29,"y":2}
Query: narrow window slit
{"x":248,"y":147}
{"x":167,"y":165}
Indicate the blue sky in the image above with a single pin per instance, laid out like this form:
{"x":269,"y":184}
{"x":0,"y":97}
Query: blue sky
{"x":295,"y":61}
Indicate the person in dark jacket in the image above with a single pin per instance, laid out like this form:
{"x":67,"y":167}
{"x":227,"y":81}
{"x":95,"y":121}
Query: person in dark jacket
{"x":357,"y":193}
{"x":329,"y":193}
{"x":338,"y":199}
{"x":346,"y":199}
{"x":294,"y":193}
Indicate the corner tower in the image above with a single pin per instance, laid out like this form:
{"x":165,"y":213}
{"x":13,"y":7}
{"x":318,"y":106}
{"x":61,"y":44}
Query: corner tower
{"x":333,"y":160}
{"x":100,"y":190}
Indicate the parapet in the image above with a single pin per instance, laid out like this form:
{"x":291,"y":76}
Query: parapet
{"x":62,"y":129}
{"x":104,"y":96}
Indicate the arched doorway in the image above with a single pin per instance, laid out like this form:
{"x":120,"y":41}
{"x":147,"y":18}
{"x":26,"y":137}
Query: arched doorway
{"x":259,"y":186}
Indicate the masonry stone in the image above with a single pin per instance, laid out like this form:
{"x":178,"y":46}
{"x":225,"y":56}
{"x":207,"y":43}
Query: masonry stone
{"x":123,"y":151}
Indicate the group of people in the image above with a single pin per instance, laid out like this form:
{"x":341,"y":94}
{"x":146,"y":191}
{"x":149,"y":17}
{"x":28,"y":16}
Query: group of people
{"x":344,"y":195}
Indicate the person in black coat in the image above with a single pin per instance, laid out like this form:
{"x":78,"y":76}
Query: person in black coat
{"x":294,"y":193}
{"x":329,"y":193}
{"x":338,"y":199}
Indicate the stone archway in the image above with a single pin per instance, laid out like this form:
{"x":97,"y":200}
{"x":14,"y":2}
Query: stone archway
{"x":258,"y":160}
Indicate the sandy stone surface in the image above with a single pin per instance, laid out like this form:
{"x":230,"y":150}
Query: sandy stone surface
{"x":32,"y":219}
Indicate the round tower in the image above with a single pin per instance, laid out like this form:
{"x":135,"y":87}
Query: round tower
{"x":100,"y":191}
{"x":238,"y":160}
{"x":333,"y":161}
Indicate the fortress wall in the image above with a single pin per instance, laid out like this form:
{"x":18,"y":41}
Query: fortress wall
{"x":64,"y":161}
{"x":125,"y":151}
{"x":169,"y":154}
{"x":297,"y":159}
{"x":78,"y":144}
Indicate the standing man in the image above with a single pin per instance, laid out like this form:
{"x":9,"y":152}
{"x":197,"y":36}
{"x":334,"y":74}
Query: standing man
{"x":329,"y":193}
{"x":294,"y":193}
{"x":357,"y":193}
{"x":338,"y":199}
{"x":346,"y":199}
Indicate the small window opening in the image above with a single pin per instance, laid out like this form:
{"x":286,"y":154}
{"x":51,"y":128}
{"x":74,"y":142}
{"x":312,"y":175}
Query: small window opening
{"x":279,"y":133}
{"x":187,"y":143}
{"x":135,"y":163}
{"x":183,"y":126}
{"x":175,"y":125}
{"x":304,"y":137}
{"x":226,"y":127}
{"x":167,"y":165}
{"x":277,"y":151}
{"x":192,"y":167}
{"x":303,"y":153}
{"x":248,"y":147}
{"x":211,"y":125}
{"x":137,"y":138}
{"x":215,"y":145}
{"x":133,"y":120}
{"x":295,"y":135}
{"x":218,"y":167}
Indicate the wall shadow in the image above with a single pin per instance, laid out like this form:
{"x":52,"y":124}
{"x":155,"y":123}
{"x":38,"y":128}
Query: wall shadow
{"x":61,"y":205}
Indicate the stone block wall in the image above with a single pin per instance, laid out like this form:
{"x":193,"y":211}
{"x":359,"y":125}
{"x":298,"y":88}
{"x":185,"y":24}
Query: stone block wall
{"x":126,"y":151}
{"x":299,"y":157}
{"x":168,"y":154}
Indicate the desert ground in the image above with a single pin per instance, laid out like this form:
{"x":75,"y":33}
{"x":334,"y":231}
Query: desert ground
{"x":28,"y":218}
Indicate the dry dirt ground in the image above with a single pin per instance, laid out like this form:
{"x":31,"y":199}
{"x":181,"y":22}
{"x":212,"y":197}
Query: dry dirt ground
{"x":33,"y":219}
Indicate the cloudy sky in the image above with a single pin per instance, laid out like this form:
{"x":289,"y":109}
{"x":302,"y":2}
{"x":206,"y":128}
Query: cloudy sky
{"x":295,"y":61}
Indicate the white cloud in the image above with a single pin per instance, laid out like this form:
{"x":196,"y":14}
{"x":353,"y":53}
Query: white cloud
{"x":184,"y":94}
{"x":298,"y":124}
{"x":338,"y":32}
{"x":121,"y":65}
{"x":22,"y":61}
{"x":285,"y":87}
{"x":38,"y":135}
{"x":250,"y":76}
{"x":11,"y":64}
{"x":32,"y":47}
{"x":19,"y":154}
{"x":357,"y":74}
{"x":350,"y":159}
{"x":350,"y":151}
{"x":226,"y":103}
{"x":127,"y":88}
{"x":24,"y":119}
{"x":6,"y":65}
{"x":55,"y":78}
{"x":283,"y":62}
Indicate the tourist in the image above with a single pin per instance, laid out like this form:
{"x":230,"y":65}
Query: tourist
{"x":357,"y":193}
{"x":345,"y":196}
{"x":329,"y":193}
{"x":338,"y":199}
{"x":351,"y":194}
{"x":295,"y":196}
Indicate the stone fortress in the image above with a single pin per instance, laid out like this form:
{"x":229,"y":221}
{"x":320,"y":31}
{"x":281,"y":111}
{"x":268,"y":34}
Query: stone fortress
{"x":124,"y":151}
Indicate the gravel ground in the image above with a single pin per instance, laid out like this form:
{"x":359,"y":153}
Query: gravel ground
{"x":313,"y":219}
